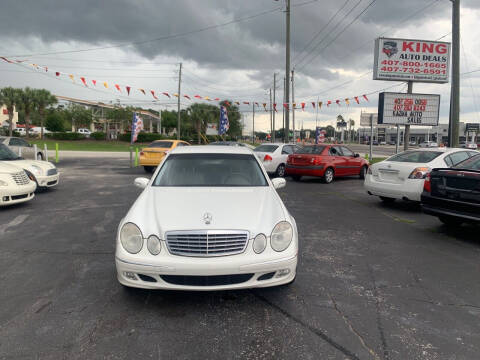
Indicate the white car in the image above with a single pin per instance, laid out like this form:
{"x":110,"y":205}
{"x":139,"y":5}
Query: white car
{"x":15,"y":185}
{"x":402,"y":176}
{"x":274,"y":156}
{"x":469,"y":145}
{"x":23,"y":148}
{"x":84,"y":131}
{"x":44,"y":173}
{"x":428,"y":144}
{"x":208,"y":219}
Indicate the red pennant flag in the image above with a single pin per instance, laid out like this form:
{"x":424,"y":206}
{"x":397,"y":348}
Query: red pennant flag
{"x":365,"y":97}
{"x":94,"y":82}
{"x":227,"y":103}
{"x":118,"y":87}
{"x":84,"y":81}
{"x":320,"y":103}
{"x":265,"y":106}
{"x":246,"y":103}
{"x":197,"y":96}
{"x":217,"y":99}
{"x":338,"y":102}
{"x":347,"y":100}
{"x":256,"y":104}
{"x":356,"y":99}
{"x":285,"y":105}
{"x":329,"y":102}
{"x":166,"y":94}
{"x":128,"y":89}
{"x":186,"y":96}
{"x":275,"y":107}
{"x":153,"y":94}
{"x":313,"y":104}
{"x":143,"y":91}
{"x":303,"y":106}
{"x":57,"y":73}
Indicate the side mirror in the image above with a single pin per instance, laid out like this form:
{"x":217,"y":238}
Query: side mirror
{"x":356,"y":155}
{"x":279,"y":183}
{"x":141,"y":182}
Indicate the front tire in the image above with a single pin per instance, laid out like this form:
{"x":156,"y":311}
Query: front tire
{"x":40,"y":156}
{"x":451,"y":221}
{"x":328,"y":176}
{"x":280,"y":172}
{"x":363,"y":172}
{"x":148,"y":169}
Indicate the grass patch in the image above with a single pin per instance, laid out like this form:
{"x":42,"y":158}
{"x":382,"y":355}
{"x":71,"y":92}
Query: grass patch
{"x":86,"y":145}
{"x":376,"y":160}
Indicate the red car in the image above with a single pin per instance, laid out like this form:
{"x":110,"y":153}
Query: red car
{"x":325,"y":161}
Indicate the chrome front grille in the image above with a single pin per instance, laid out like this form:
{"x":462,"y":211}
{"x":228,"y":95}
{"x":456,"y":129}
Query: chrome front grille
{"x":52,"y":171}
{"x":206,"y":242}
{"x":20,"y":178}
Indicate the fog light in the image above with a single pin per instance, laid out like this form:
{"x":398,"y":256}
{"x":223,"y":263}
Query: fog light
{"x":130,"y":275}
{"x":282,"y":273}
{"x":5,"y":198}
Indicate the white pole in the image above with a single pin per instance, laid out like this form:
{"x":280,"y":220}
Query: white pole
{"x":46,"y":151}
{"x":34,"y":151}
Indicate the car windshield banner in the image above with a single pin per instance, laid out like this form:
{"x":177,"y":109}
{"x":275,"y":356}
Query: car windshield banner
{"x":408,"y":109}
{"x":411,"y":60}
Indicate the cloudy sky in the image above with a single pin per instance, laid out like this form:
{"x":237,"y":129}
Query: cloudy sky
{"x":229,"y":49}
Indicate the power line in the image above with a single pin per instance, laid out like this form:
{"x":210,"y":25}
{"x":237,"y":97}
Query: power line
{"x":166,"y":37}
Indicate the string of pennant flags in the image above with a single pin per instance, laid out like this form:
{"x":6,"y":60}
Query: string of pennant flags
{"x":156,"y":94}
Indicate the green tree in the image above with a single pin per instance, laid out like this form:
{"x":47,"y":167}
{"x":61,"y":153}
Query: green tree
{"x":78,"y":116}
{"x":9,"y":98}
{"x":55,"y":121}
{"x":201,"y":115}
{"x":330,"y":131}
{"x":43,"y":99}
{"x":26,"y":101}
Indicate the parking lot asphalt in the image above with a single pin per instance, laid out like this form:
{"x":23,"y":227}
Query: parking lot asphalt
{"x":374,"y":282}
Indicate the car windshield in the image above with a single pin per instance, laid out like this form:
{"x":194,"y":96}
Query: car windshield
{"x":470,"y":164}
{"x":266,"y":148}
{"x":7,"y":154}
{"x":415,"y":156}
{"x":161,"y":144}
{"x":210,"y":170}
{"x":311,"y":150}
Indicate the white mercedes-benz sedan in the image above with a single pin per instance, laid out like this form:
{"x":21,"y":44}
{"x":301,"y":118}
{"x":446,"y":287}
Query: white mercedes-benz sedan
{"x":208,"y":219}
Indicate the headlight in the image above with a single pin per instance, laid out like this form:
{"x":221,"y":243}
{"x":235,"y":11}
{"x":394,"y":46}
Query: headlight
{"x":36,"y":170}
{"x":131,"y":238}
{"x":3,"y":183}
{"x":154,"y":245}
{"x":259,"y":243}
{"x":281,"y":237}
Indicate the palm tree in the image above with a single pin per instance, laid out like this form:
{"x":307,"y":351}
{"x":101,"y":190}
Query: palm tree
{"x":26,"y":100}
{"x":43,"y":99}
{"x":9,"y":98}
{"x":351,"y":124}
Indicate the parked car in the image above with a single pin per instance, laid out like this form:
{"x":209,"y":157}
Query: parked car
{"x":412,"y":143}
{"x":428,"y":144}
{"x":402,"y":176}
{"x":85,"y":132}
{"x":468,"y":145}
{"x":44,"y":173}
{"x":152,"y":155}
{"x":383,"y":143}
{"x":392,"y":143}
{"x":231,"y":143}
{"x":274,"y":156}
{"x":325,"y":161}
{"x":23,"y":148}
{"x":15,"y":186}
{"x":208,"y":219}
{"x":453,"y":195}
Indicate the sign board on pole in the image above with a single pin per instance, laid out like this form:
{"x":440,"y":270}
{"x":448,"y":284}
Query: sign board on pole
{"x":472,"y":127}
{"x":411,"y":60}
{"x":408,"y":109}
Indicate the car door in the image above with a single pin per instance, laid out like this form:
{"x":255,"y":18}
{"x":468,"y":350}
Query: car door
{"x":338,"y":160}
{"x":286,"y":150}
{"x":17,"y":145}
{"x":353,"y":164}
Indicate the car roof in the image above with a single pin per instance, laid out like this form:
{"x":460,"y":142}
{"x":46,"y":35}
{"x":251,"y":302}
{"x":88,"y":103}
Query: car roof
{"x":439,"y":149}
{"x":211,"y":149}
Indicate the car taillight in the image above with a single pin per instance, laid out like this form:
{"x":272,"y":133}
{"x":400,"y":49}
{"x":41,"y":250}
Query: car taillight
{"x":419,"y":173}
{"x":267,"y":158}
{"x":427,"y":185}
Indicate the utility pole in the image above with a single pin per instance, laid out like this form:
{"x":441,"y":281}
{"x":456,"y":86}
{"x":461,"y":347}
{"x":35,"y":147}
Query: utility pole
{"x":178,"y":105}
{"x":274,"y":91}
{"x":287,"y":73}
{"x":454,"y":120}
{"x":293,"y":106}
{"x":283,"y":112}
{"x":253,"y":124}
{"x":406,"y":135}
{"x":271,"y":125}
{"x":159,"y":125}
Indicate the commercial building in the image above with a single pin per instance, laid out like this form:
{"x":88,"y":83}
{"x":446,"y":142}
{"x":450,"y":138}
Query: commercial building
{"x":4,"y":117}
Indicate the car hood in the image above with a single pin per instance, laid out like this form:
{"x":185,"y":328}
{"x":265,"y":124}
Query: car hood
{"x":9,"y":168}
{"x":161,"y":209}
{"x":26,"y":164}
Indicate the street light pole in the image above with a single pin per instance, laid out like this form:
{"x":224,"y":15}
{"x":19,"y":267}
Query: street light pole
{"x":178,"y":104}
{"x":274,"y":91}
{"x":454,"y":120}
{"x":287,"y":74}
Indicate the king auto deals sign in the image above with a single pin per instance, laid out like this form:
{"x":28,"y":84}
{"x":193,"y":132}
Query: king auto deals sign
{"x":411,"y":60}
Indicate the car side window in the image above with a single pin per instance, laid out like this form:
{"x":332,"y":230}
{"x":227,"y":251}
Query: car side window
{"x":458,"y":157}
{"x":335,"y":151}
{"x":287,"y":150}
{"x":180,"y":144}
{"x":23,"y":143}
{"x":15,"y":142}
{"x":296,"y":149}
{"x":472,"y":153}
{"x":347,"y":152}
{"x":448,"y":161}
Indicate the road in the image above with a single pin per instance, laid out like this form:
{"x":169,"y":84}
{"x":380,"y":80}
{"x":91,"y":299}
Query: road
{"x":374,"y":282}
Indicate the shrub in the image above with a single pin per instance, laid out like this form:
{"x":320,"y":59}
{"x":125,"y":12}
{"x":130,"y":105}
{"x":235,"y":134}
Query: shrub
{"x":145,"y":137}
{"x":99,"y":135}
{"x":65,"y":136}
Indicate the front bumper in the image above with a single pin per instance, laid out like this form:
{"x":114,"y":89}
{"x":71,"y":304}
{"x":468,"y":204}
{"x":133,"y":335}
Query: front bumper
{"x":264,"y":273}
{"x":311,"y":170}
{"x":48,"y":181}
{"x":410,"y":189}
{"x":17,"y":195}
